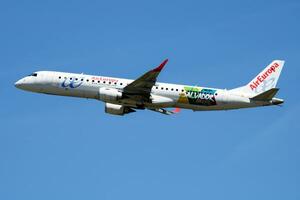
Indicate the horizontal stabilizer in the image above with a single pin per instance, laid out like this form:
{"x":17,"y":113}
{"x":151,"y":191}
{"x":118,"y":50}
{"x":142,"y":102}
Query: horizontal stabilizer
{"x":267,"y":95}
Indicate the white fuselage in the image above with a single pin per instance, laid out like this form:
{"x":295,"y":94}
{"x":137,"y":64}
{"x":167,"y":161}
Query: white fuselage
{"x":162,"y":94}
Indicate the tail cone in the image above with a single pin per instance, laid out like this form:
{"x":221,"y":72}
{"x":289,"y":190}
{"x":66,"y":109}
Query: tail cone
{"x":276,"y":101}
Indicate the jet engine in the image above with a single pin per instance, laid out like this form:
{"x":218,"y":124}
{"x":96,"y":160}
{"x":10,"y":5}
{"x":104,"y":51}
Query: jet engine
{"x":109,"y":94}
{"x":116,"y":109}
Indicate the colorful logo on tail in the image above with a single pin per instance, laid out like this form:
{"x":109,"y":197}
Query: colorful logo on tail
{"x":263,"y":76}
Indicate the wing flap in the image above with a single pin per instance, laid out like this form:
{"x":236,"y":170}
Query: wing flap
{"x":165,"y":111}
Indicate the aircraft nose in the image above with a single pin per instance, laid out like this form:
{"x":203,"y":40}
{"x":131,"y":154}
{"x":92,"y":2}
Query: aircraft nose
{"x":19,"y":83}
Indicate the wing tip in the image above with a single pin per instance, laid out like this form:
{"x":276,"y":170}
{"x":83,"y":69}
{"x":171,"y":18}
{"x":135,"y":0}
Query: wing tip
{"x":161,"y":66}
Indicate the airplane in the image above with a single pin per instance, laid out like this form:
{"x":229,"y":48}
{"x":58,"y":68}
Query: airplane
{"x":122,"y":96}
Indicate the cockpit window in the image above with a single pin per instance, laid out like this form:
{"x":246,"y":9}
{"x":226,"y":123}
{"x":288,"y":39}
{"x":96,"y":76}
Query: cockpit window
{"x":33,"y":74}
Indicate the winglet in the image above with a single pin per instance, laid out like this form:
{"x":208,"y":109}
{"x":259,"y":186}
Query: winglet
{"x":161,"y":66}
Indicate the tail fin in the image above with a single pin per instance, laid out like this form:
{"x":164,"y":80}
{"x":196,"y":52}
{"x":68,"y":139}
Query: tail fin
{"x":264,"y":81}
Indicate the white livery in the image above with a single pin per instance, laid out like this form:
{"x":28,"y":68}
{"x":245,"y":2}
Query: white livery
{"x":122,"y":96}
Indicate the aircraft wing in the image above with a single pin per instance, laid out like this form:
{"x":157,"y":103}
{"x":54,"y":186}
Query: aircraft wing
{"x":140,"y":89}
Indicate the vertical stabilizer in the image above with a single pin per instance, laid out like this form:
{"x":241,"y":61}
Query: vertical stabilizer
{"x":264,"y":81}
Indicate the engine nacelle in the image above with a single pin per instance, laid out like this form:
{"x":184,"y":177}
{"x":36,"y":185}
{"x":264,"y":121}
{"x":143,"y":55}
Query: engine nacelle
{"x":116,"y":109}
{"x":109,"y":94}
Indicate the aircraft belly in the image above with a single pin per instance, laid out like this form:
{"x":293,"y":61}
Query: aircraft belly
{"x":83,"y":92}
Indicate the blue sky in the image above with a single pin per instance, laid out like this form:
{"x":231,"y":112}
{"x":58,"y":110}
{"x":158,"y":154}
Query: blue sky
{"x":66,"y":148}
